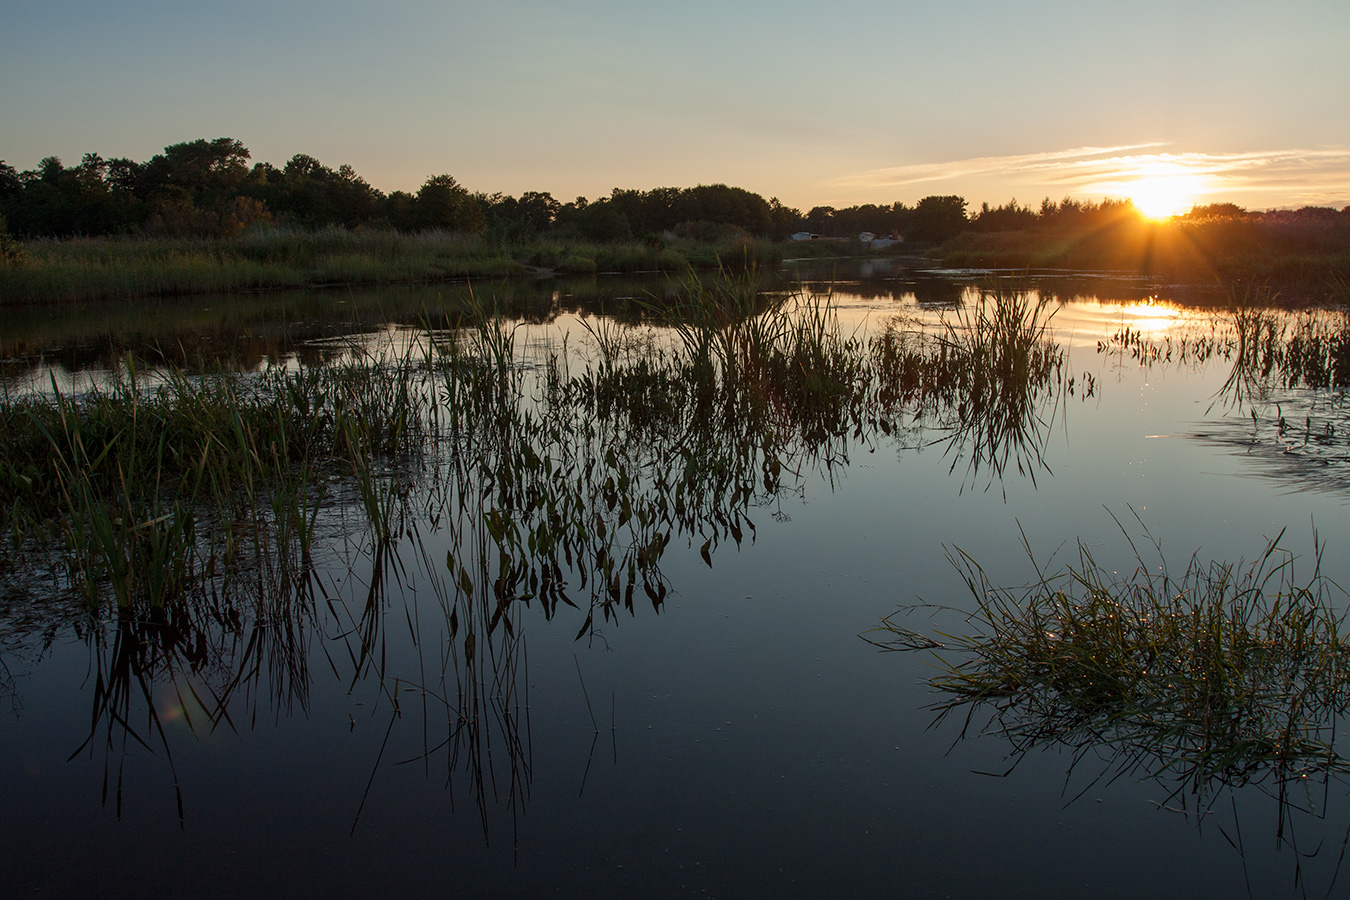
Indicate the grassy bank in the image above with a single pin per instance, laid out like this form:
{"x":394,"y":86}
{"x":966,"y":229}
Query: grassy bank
{"x":1203,"y":253}
{"x":272,"y":259}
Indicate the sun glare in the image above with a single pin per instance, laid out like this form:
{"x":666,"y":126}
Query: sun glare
{"x":1164,"y":196}
{"x":1159,"y":188}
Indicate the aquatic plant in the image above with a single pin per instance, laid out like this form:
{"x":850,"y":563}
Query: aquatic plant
{"x":1220,"y":675}
{"x":1284,"y":397}
{"x":147,"y":483}
{"x":209,"y":522}
{"x":989,"y":386}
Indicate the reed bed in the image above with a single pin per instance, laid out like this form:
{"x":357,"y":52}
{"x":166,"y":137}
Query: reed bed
{"x":276,"y":258}
{"x":203,"y":520}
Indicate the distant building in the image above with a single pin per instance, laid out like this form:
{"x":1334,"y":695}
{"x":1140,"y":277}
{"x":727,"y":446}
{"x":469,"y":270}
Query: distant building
{"x":804,"y":236}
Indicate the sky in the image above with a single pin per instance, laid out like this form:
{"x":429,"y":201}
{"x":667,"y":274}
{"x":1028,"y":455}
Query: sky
{"x":816,"y":103}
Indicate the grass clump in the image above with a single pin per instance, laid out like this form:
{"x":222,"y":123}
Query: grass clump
{"x":988,"y":386}
{"x":1222,"y":674}
{"x":143,"y":489}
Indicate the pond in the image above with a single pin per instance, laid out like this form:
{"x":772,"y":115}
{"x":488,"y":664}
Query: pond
{"x":610,"y":617}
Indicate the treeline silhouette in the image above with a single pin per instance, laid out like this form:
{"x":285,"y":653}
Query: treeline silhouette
{"x":208,"y":188}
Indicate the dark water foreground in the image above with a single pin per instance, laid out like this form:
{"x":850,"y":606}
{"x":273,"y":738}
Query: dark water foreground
{"x":405,"y":716}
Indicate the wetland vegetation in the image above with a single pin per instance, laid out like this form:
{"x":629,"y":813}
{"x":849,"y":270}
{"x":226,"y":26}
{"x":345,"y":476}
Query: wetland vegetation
{"x":198,"y":219}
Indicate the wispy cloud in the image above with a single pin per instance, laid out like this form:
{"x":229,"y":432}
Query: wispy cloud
{"x":1284,"y":176}
{"x":981,"y":165}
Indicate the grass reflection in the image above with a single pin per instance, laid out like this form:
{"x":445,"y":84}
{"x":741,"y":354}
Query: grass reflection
{"x":1285,"y":390}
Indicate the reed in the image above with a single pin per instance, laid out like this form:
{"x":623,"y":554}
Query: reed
{"x":122,"y":478}
{"x":276,"y":258}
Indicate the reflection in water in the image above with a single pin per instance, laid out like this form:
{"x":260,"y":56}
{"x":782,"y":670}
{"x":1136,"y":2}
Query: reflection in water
{"x":1222,"y":677}
{"x":989,"y":386}
{"x":1288,"y":376}
{"x":295,"y":514}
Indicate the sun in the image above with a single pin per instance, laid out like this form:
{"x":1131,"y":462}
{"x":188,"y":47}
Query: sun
{"x":1162,"y":189}
{"x":1163,"y":196}
{"x":1159,"y":188}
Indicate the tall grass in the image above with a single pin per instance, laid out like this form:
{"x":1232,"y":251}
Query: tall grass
{"x":275,"y":258}
{"x":988,"y":387}
{"x":196,"y":516}
{"x":109,"y":268}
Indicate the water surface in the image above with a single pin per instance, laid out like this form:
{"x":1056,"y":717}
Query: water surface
{"x":738,"y":739}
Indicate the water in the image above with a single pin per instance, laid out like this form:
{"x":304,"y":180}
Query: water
{"x":745,"y":740}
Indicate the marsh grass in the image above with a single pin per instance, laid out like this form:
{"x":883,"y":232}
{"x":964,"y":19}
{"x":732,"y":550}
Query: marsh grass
{"x":205,"y":520}
{"x":123,"y":478}
{"x":267,"y":259}
{"x":988,"y":387}
{"x":1283,"y":400}
{"x":1265,"y":346}
{"x":1219,"y":675}
{"x":151,"y":485}
{"x":276,"y":258}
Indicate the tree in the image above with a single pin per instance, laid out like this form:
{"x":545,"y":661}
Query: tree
{"x":820,"y":220}
{"x":211,"y":171}
{"x":1009,"y":217}
{"x":443,"y":203}
{"x":938,"y":219}
{"x":602,"y":221}
{"x":11,"y":254}
{"x":783,"y":220}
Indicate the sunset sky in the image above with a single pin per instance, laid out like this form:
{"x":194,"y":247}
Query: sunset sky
{"x":815,"y":103}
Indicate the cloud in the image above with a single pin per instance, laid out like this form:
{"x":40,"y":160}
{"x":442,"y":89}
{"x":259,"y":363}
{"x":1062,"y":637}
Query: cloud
{"x":982,"y":165}
{"x":1287,"y":175}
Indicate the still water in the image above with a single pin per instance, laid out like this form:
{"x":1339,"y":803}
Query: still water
{"x":739,"y":738}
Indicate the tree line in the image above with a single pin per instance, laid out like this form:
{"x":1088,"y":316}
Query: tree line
{"x":208,"y":188}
